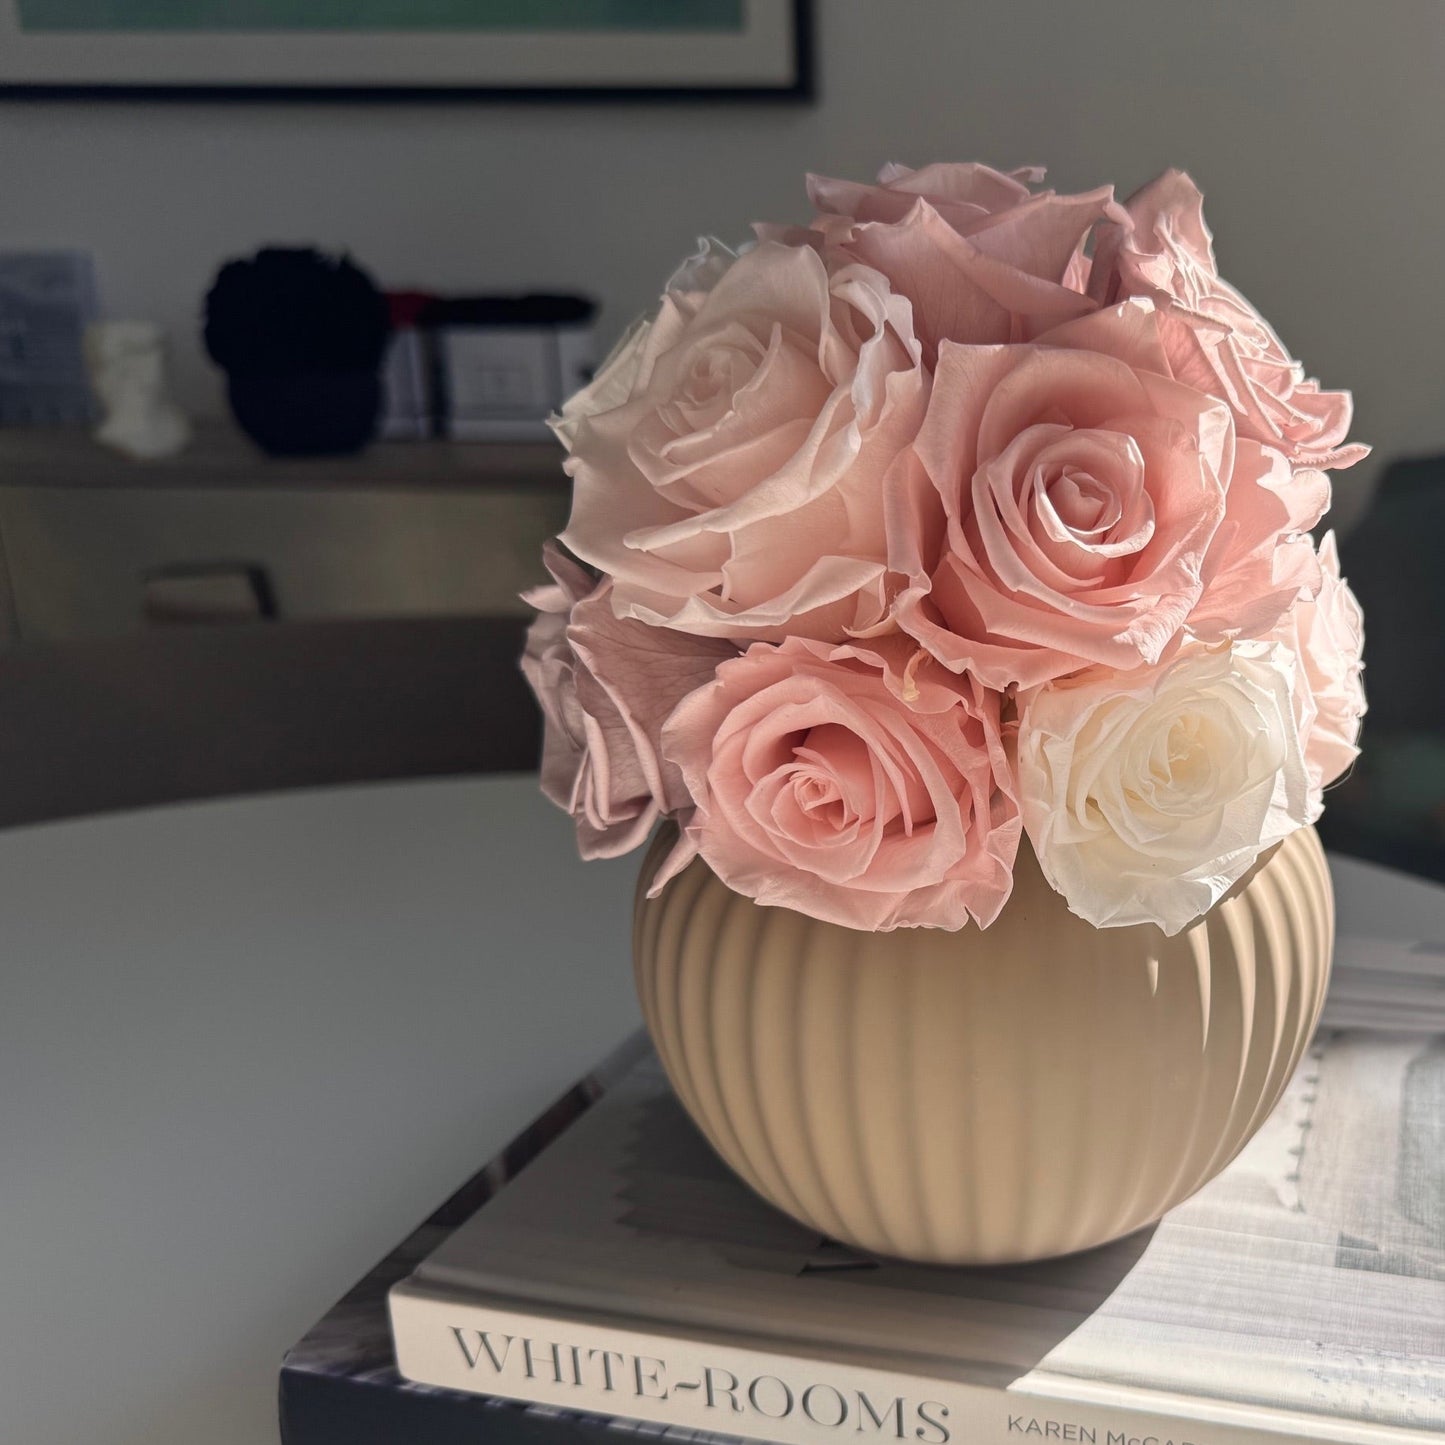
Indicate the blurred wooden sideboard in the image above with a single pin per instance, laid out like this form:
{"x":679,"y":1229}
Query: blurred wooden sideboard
{"x":224,"y":622}
{"x":94,"y":545}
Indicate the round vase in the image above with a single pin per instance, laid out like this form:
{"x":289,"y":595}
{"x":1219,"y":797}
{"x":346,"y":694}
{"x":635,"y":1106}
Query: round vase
{"x":998,"y":1095}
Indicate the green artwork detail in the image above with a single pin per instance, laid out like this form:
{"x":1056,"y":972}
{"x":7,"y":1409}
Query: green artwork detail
{"x":188,"y":16}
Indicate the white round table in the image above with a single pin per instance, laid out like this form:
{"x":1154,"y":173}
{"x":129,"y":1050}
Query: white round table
{"x":247,"y":1045}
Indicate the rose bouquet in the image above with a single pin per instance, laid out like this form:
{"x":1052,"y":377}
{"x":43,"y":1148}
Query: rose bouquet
{"x":967,"y":514}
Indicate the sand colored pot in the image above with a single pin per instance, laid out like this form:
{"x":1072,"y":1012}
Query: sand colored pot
{"x":994,"y":1095}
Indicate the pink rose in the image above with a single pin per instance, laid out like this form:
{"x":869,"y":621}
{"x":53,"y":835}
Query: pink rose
{"x":1326,"y":632}
{"x":820,"y":788}
{"x":738,"y":491}
{"x":1262,"y":557}
{"x":1216,"y":340}
{"x":1085,"y":508}
{"x":605,"y":686}
{"x":981,"y":257}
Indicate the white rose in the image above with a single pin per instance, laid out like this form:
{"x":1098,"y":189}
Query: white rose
{"x":1147,"y":795}
{"x":629,"y":363}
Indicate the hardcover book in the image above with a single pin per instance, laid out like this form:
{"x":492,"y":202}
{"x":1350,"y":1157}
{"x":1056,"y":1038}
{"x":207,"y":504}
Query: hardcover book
{"x":625,"y":1282}
{"x":47,"y":299}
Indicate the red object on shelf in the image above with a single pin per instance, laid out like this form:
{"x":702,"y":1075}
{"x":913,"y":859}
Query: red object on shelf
{"x":405,"y":307}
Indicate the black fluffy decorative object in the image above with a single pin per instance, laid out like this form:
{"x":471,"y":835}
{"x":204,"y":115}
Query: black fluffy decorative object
{"x":301,"y":337}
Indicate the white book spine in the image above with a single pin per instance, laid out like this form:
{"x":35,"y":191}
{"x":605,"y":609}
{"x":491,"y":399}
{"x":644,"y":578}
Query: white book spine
{"x":485,"y":429}
{"x":576,"y":358}
{"x":731,"y":1389}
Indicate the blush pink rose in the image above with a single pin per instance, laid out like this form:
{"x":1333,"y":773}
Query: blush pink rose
{"x":1082,"y":508}
{"x":1262,"y":557}
{"x":820,"y":788}
{"x":1217,"y":341}
{"x":737,"y":492}
{"x":605,"y":686}
{"x":981,"y":256}
{"x":1326,"y":632}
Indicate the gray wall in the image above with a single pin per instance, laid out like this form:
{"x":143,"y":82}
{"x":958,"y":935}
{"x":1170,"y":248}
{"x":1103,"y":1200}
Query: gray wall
{"x":1314,"y":126}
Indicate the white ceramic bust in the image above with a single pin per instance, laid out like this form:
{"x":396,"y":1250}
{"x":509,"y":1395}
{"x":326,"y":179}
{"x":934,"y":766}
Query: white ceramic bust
{"x":126,"y":360}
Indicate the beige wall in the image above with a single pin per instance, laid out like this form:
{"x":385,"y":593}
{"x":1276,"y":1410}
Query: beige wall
{"x":1315,"y":127}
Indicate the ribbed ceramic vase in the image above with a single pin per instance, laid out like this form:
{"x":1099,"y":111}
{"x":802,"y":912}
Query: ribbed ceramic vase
{"x":1005,"y":1094}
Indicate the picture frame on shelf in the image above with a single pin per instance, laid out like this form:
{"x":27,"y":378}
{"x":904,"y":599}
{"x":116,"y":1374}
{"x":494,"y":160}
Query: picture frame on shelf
{"x":406,"y":49}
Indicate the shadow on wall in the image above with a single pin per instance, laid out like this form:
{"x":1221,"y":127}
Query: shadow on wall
{"x":1391,"y":808}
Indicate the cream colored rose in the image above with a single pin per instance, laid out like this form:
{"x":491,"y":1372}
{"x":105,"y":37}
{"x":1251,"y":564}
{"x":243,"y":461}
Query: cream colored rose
{"x":738,"y":492}
{"x":630,"y":361}
{"x":610,"y":386}
{"x":1147,"y":795}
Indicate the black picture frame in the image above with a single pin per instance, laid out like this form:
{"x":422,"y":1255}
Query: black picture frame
{"x":801,"y":87}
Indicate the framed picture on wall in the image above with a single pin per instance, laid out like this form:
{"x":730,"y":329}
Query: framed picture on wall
{"x":406,"y":49}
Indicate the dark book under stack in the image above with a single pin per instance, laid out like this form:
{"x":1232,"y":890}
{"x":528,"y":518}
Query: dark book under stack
{"x":607,"y":1275}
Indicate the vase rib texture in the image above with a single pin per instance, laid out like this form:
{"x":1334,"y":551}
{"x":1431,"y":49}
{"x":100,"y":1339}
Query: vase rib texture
{"x":1028,"y":1090}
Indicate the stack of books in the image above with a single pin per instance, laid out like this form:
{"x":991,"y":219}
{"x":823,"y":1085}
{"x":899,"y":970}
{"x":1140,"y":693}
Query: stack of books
{"x":484,"y":368}
{"x":608,"y":1276}
{"x":47,"y":300}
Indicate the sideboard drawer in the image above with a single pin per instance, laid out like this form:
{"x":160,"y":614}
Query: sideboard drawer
{"x":80,"y":558}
